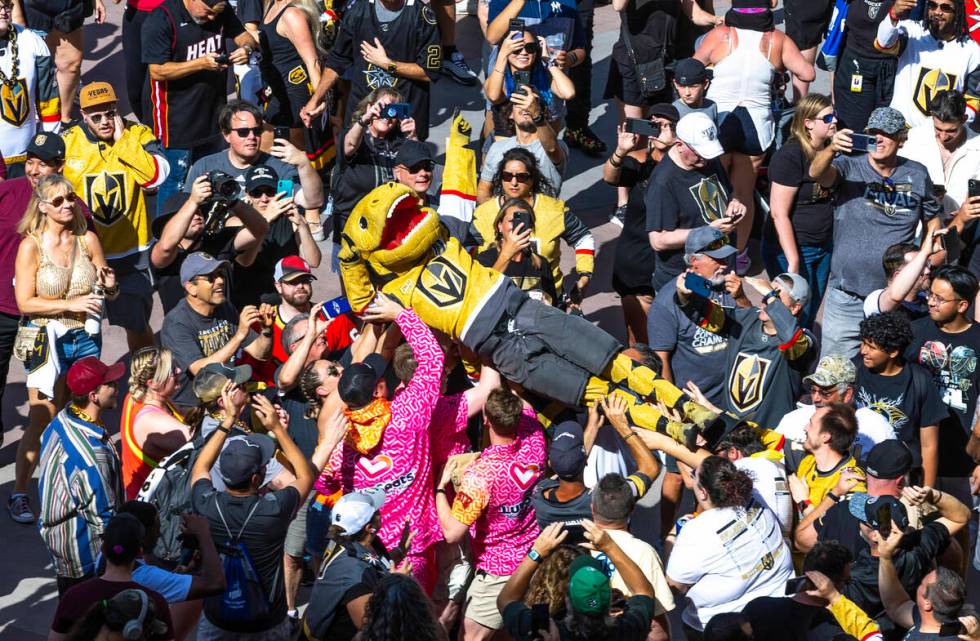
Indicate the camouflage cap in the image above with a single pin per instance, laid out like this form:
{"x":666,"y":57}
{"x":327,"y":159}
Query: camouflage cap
{"x":832,"y":370}
{"x":887,"y":120}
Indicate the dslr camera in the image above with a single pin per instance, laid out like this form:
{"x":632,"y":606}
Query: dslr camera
{"x":225,"y":192}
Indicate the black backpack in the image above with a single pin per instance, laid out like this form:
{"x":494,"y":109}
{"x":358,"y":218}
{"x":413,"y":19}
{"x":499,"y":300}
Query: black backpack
{"x":168,"y":488}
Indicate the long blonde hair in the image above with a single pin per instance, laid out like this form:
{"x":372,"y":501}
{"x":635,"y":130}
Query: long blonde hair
{"x":149,"y":364}
{"x":312,"y":14}
{"x":807,"y":109}
{"x":48,"y":188}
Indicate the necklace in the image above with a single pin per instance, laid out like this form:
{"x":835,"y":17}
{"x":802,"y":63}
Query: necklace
{"x":14,"y":60}
{"x":74,"y":409}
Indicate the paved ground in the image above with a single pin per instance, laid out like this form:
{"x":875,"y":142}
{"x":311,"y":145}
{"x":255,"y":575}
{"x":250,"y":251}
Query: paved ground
{"x":27,"y":591}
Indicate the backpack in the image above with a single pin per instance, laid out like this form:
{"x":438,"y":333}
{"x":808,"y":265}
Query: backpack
{"x":168,"y":488}
{"x":834,"y":41}
{"x":244,"y":599}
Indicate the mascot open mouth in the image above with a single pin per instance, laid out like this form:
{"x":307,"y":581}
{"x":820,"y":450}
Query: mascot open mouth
{"x":403,"y":217}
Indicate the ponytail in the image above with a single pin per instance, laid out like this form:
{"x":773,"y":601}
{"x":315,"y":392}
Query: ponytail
{"x":726,"y":485}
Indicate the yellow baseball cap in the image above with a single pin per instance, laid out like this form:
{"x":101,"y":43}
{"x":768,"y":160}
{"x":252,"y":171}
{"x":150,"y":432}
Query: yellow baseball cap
{"x":96,"y":93}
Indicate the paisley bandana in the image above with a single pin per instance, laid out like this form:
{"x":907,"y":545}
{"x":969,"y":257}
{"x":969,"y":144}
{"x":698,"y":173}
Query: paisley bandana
{"x":367,"y":424}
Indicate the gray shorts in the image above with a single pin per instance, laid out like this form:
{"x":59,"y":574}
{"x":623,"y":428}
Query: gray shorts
{"x":132,"y":308}
{"x":295,"y":545}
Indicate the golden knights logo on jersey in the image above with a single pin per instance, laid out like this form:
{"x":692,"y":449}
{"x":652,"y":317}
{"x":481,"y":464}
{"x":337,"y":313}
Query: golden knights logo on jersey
{"x":710,"y":197}
{"x":930,"y":83}
{"x":376,"y":77}
{"x":443,"y":283}
{"x":747,"y":380}
{"x":105,"y":194}
{"x":15,"y":102}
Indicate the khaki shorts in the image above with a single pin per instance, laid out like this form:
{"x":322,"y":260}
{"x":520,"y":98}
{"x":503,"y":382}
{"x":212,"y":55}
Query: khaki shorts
{"x":454,"y":575}
{"x":481,"y":600}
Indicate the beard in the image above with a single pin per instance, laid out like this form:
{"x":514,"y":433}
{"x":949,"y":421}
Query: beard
{"x":298,"y":300}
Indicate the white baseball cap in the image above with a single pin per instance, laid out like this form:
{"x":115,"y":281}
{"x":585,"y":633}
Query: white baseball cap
{"x":699,"y":132}
{"x":355,"y":510}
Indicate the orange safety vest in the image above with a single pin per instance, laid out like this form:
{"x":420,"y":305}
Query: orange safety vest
{"x":136,"y":465}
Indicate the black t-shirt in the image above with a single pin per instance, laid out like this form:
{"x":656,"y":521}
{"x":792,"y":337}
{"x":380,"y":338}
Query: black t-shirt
{"x":524,"y":274}
{"x":371,"y":165}
{"x":913,"y":562}
{"x":191,"y":336}
{"x":863,"y":17}
{"x":915,"y":635}
{"x":909,"y":400}
{"x":812,"y":213}
{"x":263,"y":537}
{"x":548,"y":509}
{"x":632,"y":625}
{"x":952,"y":361}
{"x":682,"y":199}
{"x":257,"y":279}
{"x":784,"y":619}
{"x":185,"y":111}
{"x":634,"y":260}
{"x":838,"y":524}
{"x":345,"y":575}
{"x":248,"y":10}
{"x":221,"y":246}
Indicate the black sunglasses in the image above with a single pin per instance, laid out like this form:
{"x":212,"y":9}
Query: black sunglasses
{"x":243,"y":132}
{"x":258,"y":192}
{"x":520,"y":176}
{"x":210,"y":277}
{"x":422,"y":165}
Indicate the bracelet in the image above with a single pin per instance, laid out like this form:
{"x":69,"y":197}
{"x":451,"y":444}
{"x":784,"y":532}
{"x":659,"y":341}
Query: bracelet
{"x":629,"y":436}
{"x":364,"y":125}
{"x":440,"y":490}
{"x":615,"y":163}
{"x":572,"y":59}
{"x":500,"y":71}
{"x":222,"y":428}
{"x":833,"y":497}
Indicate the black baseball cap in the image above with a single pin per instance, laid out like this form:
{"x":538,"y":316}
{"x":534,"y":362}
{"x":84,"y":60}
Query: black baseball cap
{"x":690,"y":71}
{"x":47,"y":147}
{"x":890,"y":459}
{"x":357,"y":383}
{"x":665,"y":110}
{"x":865,"y":508}
{"x":243,"y":456}
{"x":260,"y":176}
{"x":566,"y":454}
{"x":122,"y":537}
{"x":412,"y":152}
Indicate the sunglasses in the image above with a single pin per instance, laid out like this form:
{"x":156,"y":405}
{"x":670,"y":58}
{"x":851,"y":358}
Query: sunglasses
{"x":530,"y":48}
{"x":243,"y":132}
{"x":945,"y":8}
{"x":105,"y":115}
{"x":829,"y":118}
{"x":6,"y":7}
{"x":718,"y":244}
{"x":816,"y":390}
{"x":422,"y":165}
{"x":210,"y":277}
{"x":521,"y":176}
{"x":58,"y":201}
{"x":258,"y":192}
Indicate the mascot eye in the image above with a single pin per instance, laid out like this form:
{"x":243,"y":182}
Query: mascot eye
{"x":362,"y":223}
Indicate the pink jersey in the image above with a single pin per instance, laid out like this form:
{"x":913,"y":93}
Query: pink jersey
{"x":400,"y":464}
{"x":448,"y":431}
{"x":494,"y":498}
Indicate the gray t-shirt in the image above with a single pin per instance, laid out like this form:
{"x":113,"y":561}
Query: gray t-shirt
{"x":491,"y":162}
{"x":220,"y":162}
{"x":708,"y":108}
{"x":872,"y":213}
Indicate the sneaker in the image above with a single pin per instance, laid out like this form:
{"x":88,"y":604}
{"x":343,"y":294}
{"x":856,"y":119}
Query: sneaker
{"x":618,"y":217}
{"x":743,"y":263}
{"x":586,"y":140}
{"x":458,"y":70}
{"x":19,"y":506}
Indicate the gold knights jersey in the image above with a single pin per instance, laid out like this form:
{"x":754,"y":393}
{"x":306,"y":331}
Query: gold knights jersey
{"x":29,"y":100}
{"x":111,"y":177}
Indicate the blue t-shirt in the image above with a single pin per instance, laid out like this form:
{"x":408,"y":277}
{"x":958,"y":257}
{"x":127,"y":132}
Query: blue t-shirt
{"x":172,"y":586}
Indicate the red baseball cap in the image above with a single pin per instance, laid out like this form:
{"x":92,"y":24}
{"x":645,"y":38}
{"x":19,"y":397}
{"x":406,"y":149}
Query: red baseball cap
{"x":88,"y":373}
{"x":291,"y":267}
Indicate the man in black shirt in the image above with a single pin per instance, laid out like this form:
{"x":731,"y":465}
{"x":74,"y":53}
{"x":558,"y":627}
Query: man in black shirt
{"x":865,"y":76}
{"x":688,"y":189}
{"x":184,"y":48}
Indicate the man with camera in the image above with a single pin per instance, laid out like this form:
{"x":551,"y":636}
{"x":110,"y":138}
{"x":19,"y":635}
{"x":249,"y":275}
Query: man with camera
{"x":211,"y":219}
{"x":111,"y":163}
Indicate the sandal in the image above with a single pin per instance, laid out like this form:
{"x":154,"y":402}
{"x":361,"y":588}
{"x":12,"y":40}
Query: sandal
{"x":586,"y":140}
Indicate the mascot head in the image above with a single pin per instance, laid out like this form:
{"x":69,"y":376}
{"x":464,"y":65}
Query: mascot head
{"x":390,"y":226}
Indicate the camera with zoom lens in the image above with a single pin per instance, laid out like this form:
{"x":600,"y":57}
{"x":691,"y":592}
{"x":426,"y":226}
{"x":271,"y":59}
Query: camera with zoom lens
{"x":225,"y":192}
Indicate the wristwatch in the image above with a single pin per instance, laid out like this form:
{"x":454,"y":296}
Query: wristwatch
{"x":534,"y":556}
{"x":392,"y":67}
{"x":539,"y":119}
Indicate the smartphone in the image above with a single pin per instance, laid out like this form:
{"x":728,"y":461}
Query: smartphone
{"x":281,"y":132}
{"x":698,"y":284}
{"x":973,"y":187}
{"x":938,"y":191}
{"x":406,"y":532}
{"x":950,"y":241}
{"x":576,"y":534}
{"x":223,"y":59}
{"x":540,"y":618}
{"x":863,"y":143}
{"x":398,"y":110}
{"x":521,"y":217}
{"x":798,"y":584}
{"x":713,"y":432}
{"x":334,"y":307}
{"x":516,"y":24}
{"x":284,"y":186}
{"x":952,"y":629}
{"x":884,"y":516}
{"x":642,"y":127}
{"x":521,"y":79}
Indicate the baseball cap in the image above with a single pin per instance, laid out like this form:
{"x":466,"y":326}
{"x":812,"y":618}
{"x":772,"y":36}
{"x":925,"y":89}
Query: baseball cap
{"x":355,"y":510}
{"x":292,"y":267}
{"x":865,"y":508}
{"x":796,"y":285}
{"x":833,"y":369}
{"x":86,"y":374}
{"x":699,"y":132}
{"x":200,"y":264}
{"x":887,"y":120}
{"x":566,"y":454}
{"x":260,"y":176}
{"x":243,"y":456}
{"x":123,"y":535}
{"x":690,"y":71}
{"x":211,"y":379}
{"x":96,"y":93}
{"x":588,"y":586}
{"x":890,"y":459}
{"x":357,"y":383}
{"x":710,"y":242}
{"x":665,"y":110}
{"x":411,"y":152}
{"x":47,"y":147}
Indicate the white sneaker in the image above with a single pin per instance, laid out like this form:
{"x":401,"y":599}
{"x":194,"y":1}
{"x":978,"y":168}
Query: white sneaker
{"x":19,"y":506}
{"x":458,"y":70}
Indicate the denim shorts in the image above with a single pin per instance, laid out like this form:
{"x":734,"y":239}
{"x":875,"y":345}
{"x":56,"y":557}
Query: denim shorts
{"x":77,"y":344}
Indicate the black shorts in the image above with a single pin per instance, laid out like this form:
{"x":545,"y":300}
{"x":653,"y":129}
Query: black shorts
{"x":282,"y":105}
{"x":737,"y":134}
{"x":807,"y":20}
{"x":624,"y":289}
{"x":621,"y":85}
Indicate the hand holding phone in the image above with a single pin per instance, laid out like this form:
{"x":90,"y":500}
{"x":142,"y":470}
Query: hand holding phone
{"x":642,"y":127}
{"x":223,"y":59}
{"x":281,"y":132}
{"x":863,"y":143}
{"x":698,"y":284}
{"x":799,"y":584}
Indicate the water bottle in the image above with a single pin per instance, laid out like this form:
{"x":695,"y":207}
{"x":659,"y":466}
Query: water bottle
{"x":93,"y":322}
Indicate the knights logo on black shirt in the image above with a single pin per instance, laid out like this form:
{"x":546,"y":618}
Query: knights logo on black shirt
{"x":747,"y":380}
{"x":710,"y":197}
{"x":106,"y":195}
{"x":930,"y":83}
{"x":376,"y":77}
{"x":15,"y":103}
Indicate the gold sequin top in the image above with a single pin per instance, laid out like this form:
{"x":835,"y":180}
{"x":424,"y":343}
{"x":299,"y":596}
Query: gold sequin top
{"x":54,"y":281}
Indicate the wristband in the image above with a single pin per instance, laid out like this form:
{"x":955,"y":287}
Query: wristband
{"x":615,"y":163}
{"x":572,"y":59}
{"x":629,"y":436}
{"x":222,"y":428}
{"x":833,"y":497}
{"x":364,"y":125}
{"x":440,"y":490}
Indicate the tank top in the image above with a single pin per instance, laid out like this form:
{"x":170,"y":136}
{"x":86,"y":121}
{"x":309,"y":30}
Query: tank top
{"x":744,"y":79}
{"x":54,"y":281}
{"x":280,"y":63}
{"x":136,"y":463}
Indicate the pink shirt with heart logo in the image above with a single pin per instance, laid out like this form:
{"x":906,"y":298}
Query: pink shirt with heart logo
{"x":401,"y":464}
{"x":494,"y":498}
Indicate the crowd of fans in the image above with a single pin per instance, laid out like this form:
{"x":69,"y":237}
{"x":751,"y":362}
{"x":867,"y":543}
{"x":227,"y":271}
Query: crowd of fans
{"x":264,"y":437}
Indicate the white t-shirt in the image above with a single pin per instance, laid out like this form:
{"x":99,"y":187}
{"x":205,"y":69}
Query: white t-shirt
{"x":771,"y":488}
{"x":871,"y":304}
{"x":643,"y":554}
{"x":873,"y":428}
{"x":729,"y":556}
